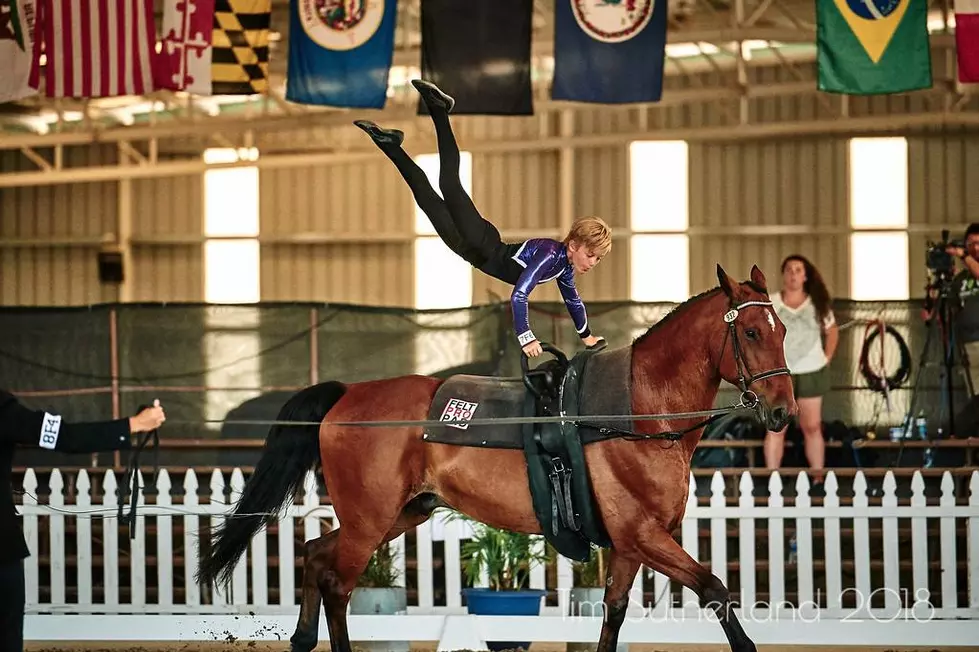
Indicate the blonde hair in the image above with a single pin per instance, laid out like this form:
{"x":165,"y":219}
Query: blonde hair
{"x":591,"y":232}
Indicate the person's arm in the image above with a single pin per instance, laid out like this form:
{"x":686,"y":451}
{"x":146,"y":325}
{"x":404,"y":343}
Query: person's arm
{"x":576,"y":307}
{"x":521,"y":292}
{"x":832,"y":330}
{"x":41,"y":429}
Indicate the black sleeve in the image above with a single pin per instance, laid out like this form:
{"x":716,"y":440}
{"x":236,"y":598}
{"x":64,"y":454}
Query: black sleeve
{"x":39,"y":429}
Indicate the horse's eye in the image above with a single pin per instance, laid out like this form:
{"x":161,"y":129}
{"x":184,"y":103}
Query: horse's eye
{"x":751,"y":333}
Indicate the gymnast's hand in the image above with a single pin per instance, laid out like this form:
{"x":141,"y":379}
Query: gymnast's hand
{"x":533,"y":349}
{"x":593,"y":342}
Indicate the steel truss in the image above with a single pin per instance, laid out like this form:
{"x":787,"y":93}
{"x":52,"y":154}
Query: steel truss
{"x":715,"y":54}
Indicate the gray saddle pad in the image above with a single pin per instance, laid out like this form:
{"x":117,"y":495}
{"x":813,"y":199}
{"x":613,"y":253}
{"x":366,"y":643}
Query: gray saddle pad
{"x":467,"y":397}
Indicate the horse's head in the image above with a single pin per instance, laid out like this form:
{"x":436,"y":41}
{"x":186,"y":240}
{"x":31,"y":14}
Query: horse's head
{"x":752,"y":356}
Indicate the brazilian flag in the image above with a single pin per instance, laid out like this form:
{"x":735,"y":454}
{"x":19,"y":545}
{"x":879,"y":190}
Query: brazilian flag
{"x":869,"y":47}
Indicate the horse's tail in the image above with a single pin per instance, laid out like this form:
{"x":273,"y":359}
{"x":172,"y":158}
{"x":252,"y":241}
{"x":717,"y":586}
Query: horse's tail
{"x":290,"y":452}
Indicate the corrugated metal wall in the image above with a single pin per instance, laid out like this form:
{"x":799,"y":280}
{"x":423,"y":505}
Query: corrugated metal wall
{"x":167,"y":224}
{"x":741,"y":192}
{"x":343,"y":232}
{"x":49,"y":235}
{"x":349,"y":205}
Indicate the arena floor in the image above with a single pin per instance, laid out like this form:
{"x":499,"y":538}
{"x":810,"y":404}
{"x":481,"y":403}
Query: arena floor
{"x":252,"y":646}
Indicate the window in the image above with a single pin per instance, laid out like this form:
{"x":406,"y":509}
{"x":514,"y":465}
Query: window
{"x":878,"y":188}
{"x":879,"y":266}
{"x":231,"y":263}
{"x":878,"y":183}
{"x":442,"y":280}
{"x":659,"y":206}
{"x":231,"y":276}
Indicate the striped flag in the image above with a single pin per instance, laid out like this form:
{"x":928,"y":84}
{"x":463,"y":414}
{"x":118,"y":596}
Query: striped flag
{"x":99,"y":48}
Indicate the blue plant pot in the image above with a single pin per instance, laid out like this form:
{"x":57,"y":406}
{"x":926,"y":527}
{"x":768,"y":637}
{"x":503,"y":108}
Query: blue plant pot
{"x":485,"y":602}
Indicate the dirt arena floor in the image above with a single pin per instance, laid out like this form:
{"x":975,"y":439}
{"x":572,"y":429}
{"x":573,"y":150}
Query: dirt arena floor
{"x":253,"y":646}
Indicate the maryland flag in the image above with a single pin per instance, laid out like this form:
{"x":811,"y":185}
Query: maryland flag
{"x":240,"y":47}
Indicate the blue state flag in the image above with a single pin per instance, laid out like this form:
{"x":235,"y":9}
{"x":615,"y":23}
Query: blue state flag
{"x":609,"y":51}
{"x":340,"y":52}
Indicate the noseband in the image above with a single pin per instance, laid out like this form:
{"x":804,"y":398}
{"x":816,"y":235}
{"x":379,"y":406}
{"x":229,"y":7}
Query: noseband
{"x":745,"y":378}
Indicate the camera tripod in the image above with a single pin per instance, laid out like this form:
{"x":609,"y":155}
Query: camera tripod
{"x":949,"y":355}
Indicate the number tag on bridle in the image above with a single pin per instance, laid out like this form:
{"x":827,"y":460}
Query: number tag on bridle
{"x":731,"y":315}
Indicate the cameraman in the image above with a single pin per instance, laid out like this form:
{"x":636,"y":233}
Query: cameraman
{"x":965,"y":294}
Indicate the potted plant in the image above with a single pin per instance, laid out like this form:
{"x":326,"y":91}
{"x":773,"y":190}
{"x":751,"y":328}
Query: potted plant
{"x":379,"y":593}
{"x":504,"y":559}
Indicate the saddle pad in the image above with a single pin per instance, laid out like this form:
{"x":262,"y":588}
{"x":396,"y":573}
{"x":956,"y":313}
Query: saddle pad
{"x":467,"y":397}
{"x":606,"y":388}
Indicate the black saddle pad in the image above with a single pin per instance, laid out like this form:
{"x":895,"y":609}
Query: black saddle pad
{"x":465,"y":397}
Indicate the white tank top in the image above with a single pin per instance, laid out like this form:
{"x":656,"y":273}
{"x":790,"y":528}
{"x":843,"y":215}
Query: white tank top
{"x":803,"y":335}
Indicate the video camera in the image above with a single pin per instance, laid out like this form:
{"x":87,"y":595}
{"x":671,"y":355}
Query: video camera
{"x":939,"y":262}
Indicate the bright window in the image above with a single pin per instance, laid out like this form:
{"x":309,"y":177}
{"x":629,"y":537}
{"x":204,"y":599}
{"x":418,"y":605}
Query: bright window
{"x":442,"y":278}
{"x":231,"y":207}
{"x":879,"y":266}
{"x":659,"y":202}
{"x":878,"y":183}
{"x":659,"y":183}
{"x":660,"y":265}
{"x":231,"y":271}
{"x":430,"y":164}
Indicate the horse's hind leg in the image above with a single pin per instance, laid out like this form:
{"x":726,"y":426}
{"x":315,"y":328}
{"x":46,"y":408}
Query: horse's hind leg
{"x":618,"y":582}
{"x":316,"y":561}
{"x":332,"y":566}
{"x":665,"y":555}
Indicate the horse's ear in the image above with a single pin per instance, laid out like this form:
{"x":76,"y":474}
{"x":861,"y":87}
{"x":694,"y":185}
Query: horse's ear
{"x":758,"y":278}
{"x":726,"y":282}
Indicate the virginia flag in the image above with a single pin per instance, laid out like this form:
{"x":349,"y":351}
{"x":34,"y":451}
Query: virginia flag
{"x":340,"y":52}
{"x":967,"y":40}
{"x":609,"y":51}
{"x":478,"y":51}
{"x":867,"y":47}
{"x":16,"y":49}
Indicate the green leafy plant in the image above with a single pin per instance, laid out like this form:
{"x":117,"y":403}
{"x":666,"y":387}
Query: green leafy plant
{"x":381,"y":571}
{"x":591,"y":573}
{"x":504,"y":556}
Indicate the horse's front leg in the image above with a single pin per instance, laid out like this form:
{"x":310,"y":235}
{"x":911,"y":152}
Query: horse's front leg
{"x":619,"y":578}
{"x":661,"y":552}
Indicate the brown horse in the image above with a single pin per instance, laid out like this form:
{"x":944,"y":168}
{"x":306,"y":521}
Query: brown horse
{"x":384,"y":481}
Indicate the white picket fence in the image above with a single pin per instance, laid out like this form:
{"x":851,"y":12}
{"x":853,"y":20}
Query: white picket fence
{"x":927,"y":612}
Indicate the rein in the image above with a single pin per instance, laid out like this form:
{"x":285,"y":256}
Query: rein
{"x":133,"y":470}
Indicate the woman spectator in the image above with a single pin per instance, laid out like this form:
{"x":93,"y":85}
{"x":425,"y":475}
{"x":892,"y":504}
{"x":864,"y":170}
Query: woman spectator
{"x":811,"y":336}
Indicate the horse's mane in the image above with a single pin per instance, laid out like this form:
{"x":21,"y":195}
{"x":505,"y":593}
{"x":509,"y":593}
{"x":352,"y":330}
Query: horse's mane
{"x":681,"y":307}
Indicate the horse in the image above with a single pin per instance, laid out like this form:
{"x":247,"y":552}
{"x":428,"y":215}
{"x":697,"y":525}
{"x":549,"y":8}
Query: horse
{"x":384,"y":481}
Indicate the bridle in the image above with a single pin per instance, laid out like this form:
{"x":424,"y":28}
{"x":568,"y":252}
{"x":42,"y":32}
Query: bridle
{"x":749,"y":399}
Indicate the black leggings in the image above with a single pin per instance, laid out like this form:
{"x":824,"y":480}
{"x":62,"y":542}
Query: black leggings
{"x":454,"y":215}
{"x":12,"y":599}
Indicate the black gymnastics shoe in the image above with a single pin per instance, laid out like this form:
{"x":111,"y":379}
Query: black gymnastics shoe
{"x":432,"y":95}
{"x":381,"y":136}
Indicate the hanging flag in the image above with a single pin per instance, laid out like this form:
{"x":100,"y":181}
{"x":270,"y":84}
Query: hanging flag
{"x":16,"y":49}
{"x":967,"y":40}
{"x":188,"y":26}
{"x":867,"y":47}
{"x":340,"y":52}
{"x":240,"y":52}
{"x":609,"y":52}
{"x":99,"y":48}
{"x":479,"y":53}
